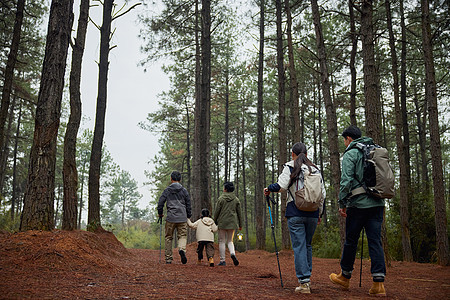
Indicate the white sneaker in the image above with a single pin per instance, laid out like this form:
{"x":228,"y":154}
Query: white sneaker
{"x":304,"y":288}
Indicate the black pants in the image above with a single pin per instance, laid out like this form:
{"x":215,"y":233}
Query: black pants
{"x":209,"y":249}
{"x":370,"y":219}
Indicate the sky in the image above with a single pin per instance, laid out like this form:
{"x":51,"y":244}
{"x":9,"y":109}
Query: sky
{"x":132,"y":94}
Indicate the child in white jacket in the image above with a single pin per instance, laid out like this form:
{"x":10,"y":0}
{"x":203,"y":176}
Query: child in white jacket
{"x":205,"y":227}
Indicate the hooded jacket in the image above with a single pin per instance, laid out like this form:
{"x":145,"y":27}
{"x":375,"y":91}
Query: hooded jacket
{"x":228,"y":212}
{"x":205,"y":229}
{"x":178,"y":203}
{"x":352,"y":175}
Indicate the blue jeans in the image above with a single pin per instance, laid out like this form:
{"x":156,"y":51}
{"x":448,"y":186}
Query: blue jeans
{"x":302,"y":230}
{"x":370,"y":219}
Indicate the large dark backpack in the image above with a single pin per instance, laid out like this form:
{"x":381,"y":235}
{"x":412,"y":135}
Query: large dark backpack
{"x":378,"y":179}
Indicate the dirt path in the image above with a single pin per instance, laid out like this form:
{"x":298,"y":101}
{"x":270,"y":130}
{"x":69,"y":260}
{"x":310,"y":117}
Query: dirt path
{"x":82,"y":265}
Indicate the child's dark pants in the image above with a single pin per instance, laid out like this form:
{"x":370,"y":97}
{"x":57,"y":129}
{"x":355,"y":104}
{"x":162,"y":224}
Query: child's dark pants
{"x":209,"y":249}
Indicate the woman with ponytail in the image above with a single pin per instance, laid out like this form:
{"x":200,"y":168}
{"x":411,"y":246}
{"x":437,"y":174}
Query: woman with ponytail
{"x":302,"y":224}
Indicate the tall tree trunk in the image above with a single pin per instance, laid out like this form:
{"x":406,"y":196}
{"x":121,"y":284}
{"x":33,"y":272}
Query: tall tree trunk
{"x":403,"y":91}
{"x":354,"y":38}
{"x":295,"y":115}
{"x":83,"y":172}
{"x":188,"y":146}
{"x":384,"y":238}
{"x":40,"y":192}
{"x":94,"y":221}
{"x":260,"y":151}
{"x":14,"y":180}
{"x":330,"y":112}
{"x":8,"y":81}
{"x":195,"y":188}
{"x":238,"y":161}
{"x":244,"y":186}
{"x":425,"y":181}
{"x":371,"y":93}
{"x":124,"y":205}
{"x":227,"y":127}
{"x":435,"y":143}
{"x":70,"y":174}
{"x":404,"y":213}
{"x":319,"y":102}
{"x":8,"y":134}
{"x":205,"y":105}
{"x":315,"y":101}
{"x":218,"y":189}
{"x":58,"y":197}
{"x":282,"y":134}
{"x":371,"y":90}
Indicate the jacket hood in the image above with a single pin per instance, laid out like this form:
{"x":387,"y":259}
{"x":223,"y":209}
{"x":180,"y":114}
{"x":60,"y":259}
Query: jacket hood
{"x":175,"y":187}
{"x":207,"y":221}
{"x":364,"y":140}
{"x":229,"y":196}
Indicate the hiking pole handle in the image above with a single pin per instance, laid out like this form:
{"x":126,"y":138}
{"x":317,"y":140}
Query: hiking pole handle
{"x":268,"y":199}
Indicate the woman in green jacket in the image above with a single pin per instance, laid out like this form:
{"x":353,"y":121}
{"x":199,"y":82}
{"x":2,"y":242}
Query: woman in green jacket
{"x":228,"y":218}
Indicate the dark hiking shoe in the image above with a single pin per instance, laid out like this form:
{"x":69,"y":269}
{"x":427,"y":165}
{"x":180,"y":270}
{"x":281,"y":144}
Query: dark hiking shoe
{"x":235,"y":261}
{"x":222,"y":263}
{"x":168,"y":262}
{"x":183,"y":257}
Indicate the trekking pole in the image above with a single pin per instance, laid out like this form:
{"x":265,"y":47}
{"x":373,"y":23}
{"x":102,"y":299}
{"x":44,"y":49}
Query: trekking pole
{"x":160,"y":237}
{"x":273,"y":233}
{"x":362,"y":251}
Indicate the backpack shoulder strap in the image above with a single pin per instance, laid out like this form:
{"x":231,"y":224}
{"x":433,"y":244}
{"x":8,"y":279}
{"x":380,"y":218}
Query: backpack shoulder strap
{"x":290,"y":169}
{"x":360,"y":146}
{"x":289,"y":186}
{"x":362,"y":189}
{"x":299,"y":174}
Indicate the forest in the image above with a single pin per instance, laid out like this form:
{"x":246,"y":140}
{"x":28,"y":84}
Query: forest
{"x":248,"y":79}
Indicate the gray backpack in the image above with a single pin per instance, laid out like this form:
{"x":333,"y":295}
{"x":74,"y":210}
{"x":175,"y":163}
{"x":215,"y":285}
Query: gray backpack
{"x":378,"y":179}
{"x":308,"y":198}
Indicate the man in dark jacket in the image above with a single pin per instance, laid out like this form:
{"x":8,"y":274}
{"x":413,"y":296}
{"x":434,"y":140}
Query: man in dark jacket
{"x":361,"y":211}
{"x":178,"y":211}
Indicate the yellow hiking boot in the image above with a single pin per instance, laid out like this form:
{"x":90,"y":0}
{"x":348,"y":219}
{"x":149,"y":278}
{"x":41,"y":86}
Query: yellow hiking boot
{"x":377,"y":289}
{"x":211,"y":262}
{"x":340,"y":280}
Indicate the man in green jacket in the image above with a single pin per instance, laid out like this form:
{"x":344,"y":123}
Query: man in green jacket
{"x":361,"y":211}
{"x":228,"y":218}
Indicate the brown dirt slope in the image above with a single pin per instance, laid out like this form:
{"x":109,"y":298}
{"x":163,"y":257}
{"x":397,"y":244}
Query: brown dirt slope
{"x":84,"y":265}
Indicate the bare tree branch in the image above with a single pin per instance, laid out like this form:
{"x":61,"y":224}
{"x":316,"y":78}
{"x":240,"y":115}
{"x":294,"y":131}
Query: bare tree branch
{"x":128,"y":10}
